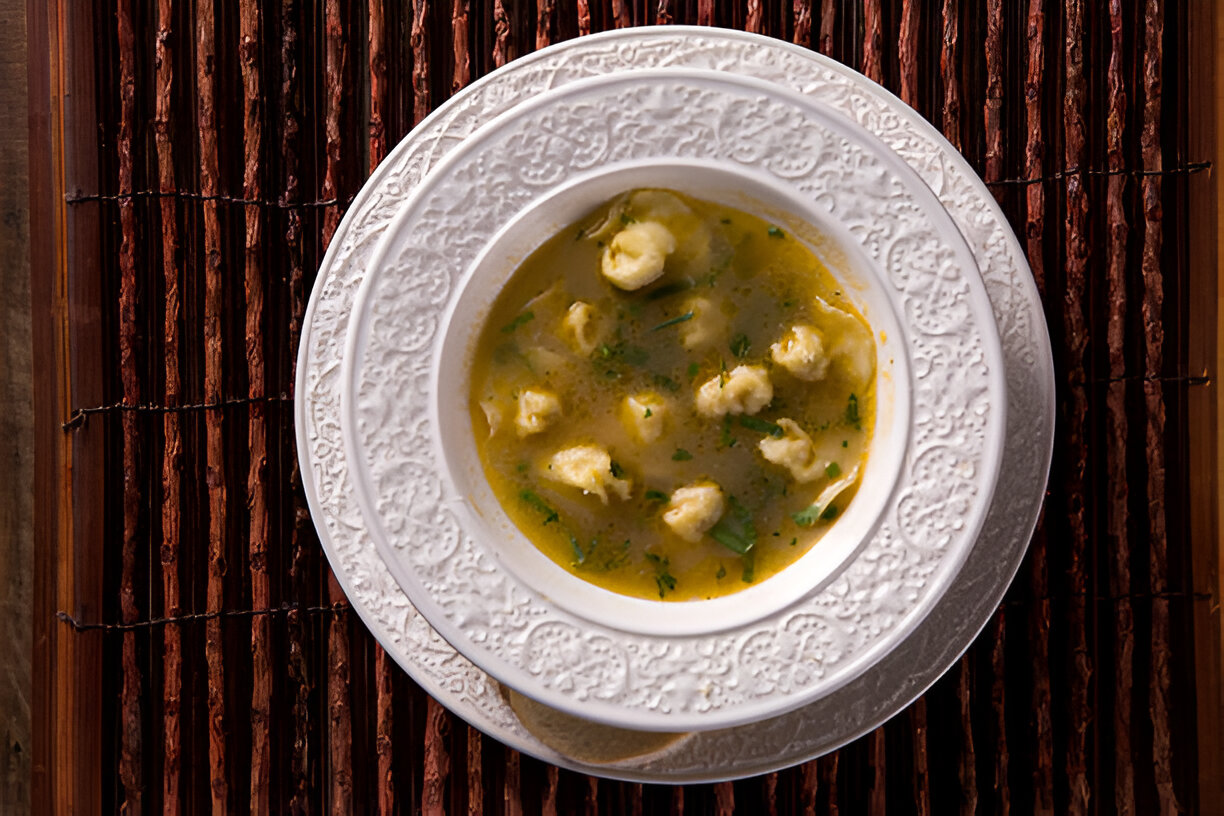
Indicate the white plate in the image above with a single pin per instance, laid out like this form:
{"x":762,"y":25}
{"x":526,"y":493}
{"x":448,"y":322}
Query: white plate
{"x":911,"y":667}
{"x":775,"y":646}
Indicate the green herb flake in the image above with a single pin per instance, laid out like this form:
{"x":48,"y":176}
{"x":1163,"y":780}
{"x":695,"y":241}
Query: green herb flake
{"x":663,"y":381}
{"x":749,"y":574}
{"x":725,"y":439}
{"x":740,"y":346}
{"x":647,"y":414}
{"x":721,"y":574}
{"x":833,"y":470}
{"x":852,"y":410}
{"x":724,"y":220}
{"x":657,"y":496}
{"x":525,"y":317}
{"x":735,"y":530}
{"x":807,"y":516}
{"x":521,"y":467}
{"x":693,"y":371}
{"x":681,"y":455}
{"x":786,"y":304}
{"x":845,"y":443}
{"x":762,"y":426}
{"x":626,"y":219}
{"x":829,"y":513}
{"x":774,"y":232}
{"x":674,"y":321}
{"x":532,"y":498}
{"x":617,"y":471}
{"x":664,"y":580}
{"x":605,"y":351}
{"x":794,"y":541}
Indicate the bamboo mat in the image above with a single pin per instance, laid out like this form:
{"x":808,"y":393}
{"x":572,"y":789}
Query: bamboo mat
{"x":194,"y":653}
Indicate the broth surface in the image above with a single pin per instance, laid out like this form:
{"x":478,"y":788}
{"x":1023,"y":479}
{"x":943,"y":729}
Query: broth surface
{"x":673,"y":398}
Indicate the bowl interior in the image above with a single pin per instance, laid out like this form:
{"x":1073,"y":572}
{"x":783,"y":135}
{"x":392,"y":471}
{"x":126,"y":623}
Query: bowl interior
{"x":459,"y":463}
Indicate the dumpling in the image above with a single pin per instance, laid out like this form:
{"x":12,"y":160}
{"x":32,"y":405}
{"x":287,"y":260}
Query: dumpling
{"x":643,"y":415}
{"x":706,"y":327}
{"x":636,"y":255}
{"x":588,"y":468}
{"x":694,"y":509}
{"x":537,"y":409}
{"x":580,"y":328}
{"x":801,"y":352}
{"x":850,"y":346}
{"x":796,"y":452}
{"x":493,"y":414}
{"x":744,"y":389}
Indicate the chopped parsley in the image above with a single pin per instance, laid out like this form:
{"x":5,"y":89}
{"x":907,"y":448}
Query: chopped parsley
{"x":647,"y":414}
{"x":775,"y":232}
{"x":794,"y":541}
{"x":664,"y":580}
{"x":674,"y":321}
{"x":617,"y":471}
{"x":721,"y":574}
{"x":525,"y":317}
{"x":681,"y":455}
{"x":833,"y":470}
{"x":852,"y":410}
{"x":627,"y":219}
{"x":657,"y":496}
{"x":830,"y":512}
{"x":845,"y":443}
{"x":532,"y":498}
{"x":740,"y":345}
{"x":735,"y":530}
{"x":762,"y":426}
{"x":602,"y":557}
{"x":807,"y":516}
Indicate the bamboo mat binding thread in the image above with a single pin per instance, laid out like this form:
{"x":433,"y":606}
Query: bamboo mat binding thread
{"x":232,"y":136}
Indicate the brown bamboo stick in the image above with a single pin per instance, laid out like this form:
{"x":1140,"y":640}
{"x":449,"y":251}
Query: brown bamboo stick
{"x":544,"y":13}
{"x":998,"y":705}
{"x":130,"y":770}
{"x":993,"y":48}
{"x":584,"y":18}
{"x":621,"y":15}
{"x":1034,"y":145}
{"x":459,"y":40}
{"x":437,"y":760}
{"x":724,"y":799}
{"x":503,"y":46}
{"x":922,"y":774}
{"x":663,"y":14}
{"x":475,"y":773}
{"x":877,"y":801}
{"x":677,"y":802}
{"x":827,"y":12}
{"x":809,"y":786}
{"x":300,"y":673}
{"x":966,"y":769}
{"x":907,"y":52}
{"x":949,"y":69}
{"x":873,"y":40}
{"x":214,"y":373}
{"x":1116,"y":422}
{"x":752,"y":20}
{"x":1153,"y":301}
{"x":249,"y":34}
{"x":548,"y":804}
{"x":635,"y":798}
{"x":803,"y":23}
{"x":1075,"y":344}
{"x":512,"y":793}
{"x":769,"y":785}
{"x":705,"y":11}
{"x":590,"y":803}
{"x":172,"y":457}
{"x":828,"y":782}
{"x":419,"y":41}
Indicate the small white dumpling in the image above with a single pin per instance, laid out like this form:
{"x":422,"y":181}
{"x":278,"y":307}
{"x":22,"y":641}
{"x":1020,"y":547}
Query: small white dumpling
{"x":706,"y":328}
{"x":693,"y":509}
{"x":801,"y":352}
{"x":796,"y":452}
{"x":581,"y":328}
{"x":636,"y":255}
{"x":851,"y":348}
{"x":537,"y":410}
{"x":643,"y":415}
{"x":744,"y":389}
{"x":493,"y":414}
{"x":588,"y":468}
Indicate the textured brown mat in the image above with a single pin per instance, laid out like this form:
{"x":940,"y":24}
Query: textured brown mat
{"x":190,"y":161}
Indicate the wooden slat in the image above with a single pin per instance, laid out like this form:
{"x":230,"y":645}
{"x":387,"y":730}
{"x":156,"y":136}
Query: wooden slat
{"x":873,"y":40}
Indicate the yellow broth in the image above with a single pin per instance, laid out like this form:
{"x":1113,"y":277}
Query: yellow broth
{"x":733,"y":286}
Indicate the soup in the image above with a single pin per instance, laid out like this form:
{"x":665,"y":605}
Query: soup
{"x":673,"y":399}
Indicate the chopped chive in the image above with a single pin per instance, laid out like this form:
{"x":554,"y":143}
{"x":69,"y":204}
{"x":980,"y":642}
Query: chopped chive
{"x":794,"y":541}
{"x":532,"y":498}
{"x":657,"y":496}
{"x":735,"y":530}
{"x":518,"y":321}
{"x":845,"y":443}
{"x":675,"y":320}
{"x":852,"y":410}
{"x":721,"y":574}
{"x":774,"y":232}
{"x":681,"y":455}
{"x":833,"y":470}
{"x":647,"y":414}
{"x":693,"y":371}
{"x":740,"y":345}
{"x":762,"y":426}
{"x":725,"y":439}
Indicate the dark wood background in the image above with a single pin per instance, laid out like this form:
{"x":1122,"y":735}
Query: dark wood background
{"x":190,"y":162}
